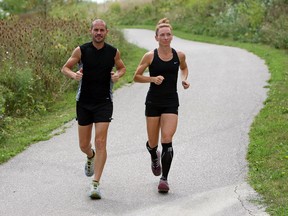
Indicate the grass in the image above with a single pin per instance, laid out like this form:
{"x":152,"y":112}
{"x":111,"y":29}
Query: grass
{"x":25,"y":132}
{"x":37,"y":128}
{"x":268,"y":149}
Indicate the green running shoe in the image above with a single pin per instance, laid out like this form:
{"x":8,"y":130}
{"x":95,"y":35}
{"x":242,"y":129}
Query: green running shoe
{"x":89,"y":166}
{"x":95,"y":191}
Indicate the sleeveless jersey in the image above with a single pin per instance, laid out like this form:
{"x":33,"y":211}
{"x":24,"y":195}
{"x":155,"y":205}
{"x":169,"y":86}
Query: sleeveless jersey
{"x":96,"y":85}
{"x":165,"y":94}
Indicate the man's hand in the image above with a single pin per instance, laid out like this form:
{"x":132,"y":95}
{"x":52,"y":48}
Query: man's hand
{"x":78,"y":75}
{"x":114,"y":76}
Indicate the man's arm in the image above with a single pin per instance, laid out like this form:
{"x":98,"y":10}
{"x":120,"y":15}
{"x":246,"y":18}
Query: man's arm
{"x":71,"y":62}
{"x":120,"y":67}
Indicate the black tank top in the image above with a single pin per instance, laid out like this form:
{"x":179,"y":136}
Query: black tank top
{"x":164,"y":95}
{"x":96,"y":85}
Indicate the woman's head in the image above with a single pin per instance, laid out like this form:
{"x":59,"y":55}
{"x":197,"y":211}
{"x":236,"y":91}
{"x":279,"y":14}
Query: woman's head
{"x":161,"y":24}
{"x":164,"y":34}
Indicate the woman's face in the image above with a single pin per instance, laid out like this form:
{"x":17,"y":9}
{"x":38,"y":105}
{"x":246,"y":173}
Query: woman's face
{"x":164,"y":36}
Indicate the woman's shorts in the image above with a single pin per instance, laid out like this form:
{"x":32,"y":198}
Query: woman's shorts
{"x":154,"y":111}
{"x":88,"y":113}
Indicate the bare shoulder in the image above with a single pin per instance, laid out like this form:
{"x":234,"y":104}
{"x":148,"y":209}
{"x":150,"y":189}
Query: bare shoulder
{"x":181,"y":55}
{"x":77,"y":52}
{"x":148,"y":56}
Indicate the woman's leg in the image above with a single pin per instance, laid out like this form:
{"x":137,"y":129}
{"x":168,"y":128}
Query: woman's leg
{"x":153,"y":128}
{"x":168,"y":129}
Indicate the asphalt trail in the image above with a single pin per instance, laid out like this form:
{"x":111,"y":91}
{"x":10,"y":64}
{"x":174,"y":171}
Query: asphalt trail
{"x":209,"y":170}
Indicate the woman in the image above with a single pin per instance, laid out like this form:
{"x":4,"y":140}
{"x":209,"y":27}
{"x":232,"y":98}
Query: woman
{"x":162,"y":98}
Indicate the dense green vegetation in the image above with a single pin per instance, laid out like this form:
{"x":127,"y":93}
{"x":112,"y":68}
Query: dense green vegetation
{"x":268,"y":149}
{"x":264,"y":21}
{"x":33,"y":48}
{"x":33,"y":51}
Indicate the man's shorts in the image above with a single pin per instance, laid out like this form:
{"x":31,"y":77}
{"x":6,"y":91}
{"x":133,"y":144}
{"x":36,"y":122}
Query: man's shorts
{"x":154,"y":111}
{"x":88,"y":113}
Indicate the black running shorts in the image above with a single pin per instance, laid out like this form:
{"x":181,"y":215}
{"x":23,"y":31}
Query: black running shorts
{"x":88,"y":114}
{"x":154,"y":111}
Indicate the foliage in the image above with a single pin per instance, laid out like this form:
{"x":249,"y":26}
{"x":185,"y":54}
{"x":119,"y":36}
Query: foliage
{"x":32,"y":51}
{"x":268,"y":150}
{"x":30,"y":62}
{"x":32,"y":57}
{"x":244,"y":20}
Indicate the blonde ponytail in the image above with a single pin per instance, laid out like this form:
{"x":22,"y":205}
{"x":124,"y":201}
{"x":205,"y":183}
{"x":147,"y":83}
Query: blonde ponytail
{"x":163,"y":23}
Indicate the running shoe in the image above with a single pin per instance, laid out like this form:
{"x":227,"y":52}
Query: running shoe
{"x":155,"y":165}
{"x":95,"y":191}
{"x":163,"y":186}
{"x":89,"y":166}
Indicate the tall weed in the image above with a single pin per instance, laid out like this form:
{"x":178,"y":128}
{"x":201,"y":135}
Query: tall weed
{"x":255,"y":21}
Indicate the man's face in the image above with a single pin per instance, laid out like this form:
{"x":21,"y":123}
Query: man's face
{"x":98,"y":32}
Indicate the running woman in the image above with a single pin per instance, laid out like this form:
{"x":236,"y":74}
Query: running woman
{"x":94,"y":99}
{"x":162,"y":100}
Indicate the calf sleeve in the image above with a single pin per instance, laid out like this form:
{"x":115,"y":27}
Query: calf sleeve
{"x":166,"y":159}
{"x":152,"y":151}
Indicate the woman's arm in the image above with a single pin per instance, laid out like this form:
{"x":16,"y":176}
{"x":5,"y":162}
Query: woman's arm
{"x":144,"y":63}
{"x":184,"y":70}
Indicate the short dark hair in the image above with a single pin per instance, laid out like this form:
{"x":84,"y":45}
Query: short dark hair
{"x":99,"y":20}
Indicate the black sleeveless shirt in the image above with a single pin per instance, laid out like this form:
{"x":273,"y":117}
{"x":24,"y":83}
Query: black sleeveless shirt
{"x":165,"y":94}
{"x":96,"y":85}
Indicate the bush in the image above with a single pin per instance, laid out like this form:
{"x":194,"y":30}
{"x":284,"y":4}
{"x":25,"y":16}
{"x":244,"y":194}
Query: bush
{"x":31,"y":62}
{"x":244,"y":20}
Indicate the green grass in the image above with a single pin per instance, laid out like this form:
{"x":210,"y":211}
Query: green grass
{"x":37,"y":128}
{"x":268,"y":149}
{"x":26,"y":131}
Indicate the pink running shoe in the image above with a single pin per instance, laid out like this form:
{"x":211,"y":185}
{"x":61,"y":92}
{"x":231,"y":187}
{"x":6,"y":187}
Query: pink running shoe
{"x":163,"y":186}
{"x":155,"y":165}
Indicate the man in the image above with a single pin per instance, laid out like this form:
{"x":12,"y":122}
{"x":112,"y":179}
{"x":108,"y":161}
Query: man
{"x":96,"y":60}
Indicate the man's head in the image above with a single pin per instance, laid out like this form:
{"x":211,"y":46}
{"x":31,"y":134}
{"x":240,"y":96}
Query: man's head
{"x":99,"y":31}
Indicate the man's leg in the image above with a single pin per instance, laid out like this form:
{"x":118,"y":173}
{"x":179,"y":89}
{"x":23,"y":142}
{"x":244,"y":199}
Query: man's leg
{"x":101,"y":131}
{"x":86,"y":147}
{"x":85,"y":139}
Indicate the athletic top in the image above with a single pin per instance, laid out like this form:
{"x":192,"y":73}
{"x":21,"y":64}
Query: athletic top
{"x":96,"y":85}
{"x":165,"y":94}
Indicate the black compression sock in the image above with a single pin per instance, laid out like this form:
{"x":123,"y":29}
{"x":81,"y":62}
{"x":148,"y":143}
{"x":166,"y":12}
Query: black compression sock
{"x":152,"y":151}
{"x":166,"y":159}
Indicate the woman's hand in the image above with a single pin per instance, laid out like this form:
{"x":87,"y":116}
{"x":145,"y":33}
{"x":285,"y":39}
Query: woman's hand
{"x":185,"y":84}
{"x":158,"y":80}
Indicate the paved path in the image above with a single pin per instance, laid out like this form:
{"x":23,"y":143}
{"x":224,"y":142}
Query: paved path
{"x":209,"y":169}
